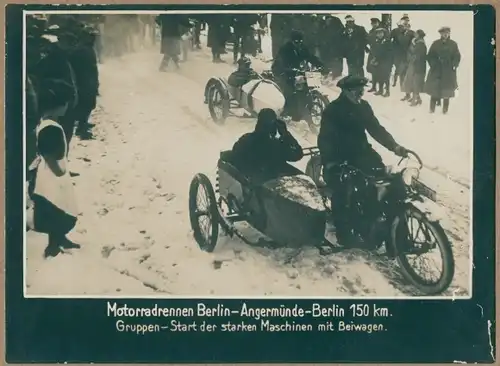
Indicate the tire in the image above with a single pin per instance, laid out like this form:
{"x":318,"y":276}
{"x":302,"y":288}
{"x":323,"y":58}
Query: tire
{"x":213,"y":93}
{"x":426,"y":287}
{"x":206,"y":241}
{"x":319,"y":104}
{"x":314,"y":169}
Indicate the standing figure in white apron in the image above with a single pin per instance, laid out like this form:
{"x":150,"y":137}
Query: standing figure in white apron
{"x":55,"y":211}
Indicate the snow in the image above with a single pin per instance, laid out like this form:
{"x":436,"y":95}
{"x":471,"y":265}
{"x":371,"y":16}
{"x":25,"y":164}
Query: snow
{"x":299,"y":188}
{"x":153,"y":135}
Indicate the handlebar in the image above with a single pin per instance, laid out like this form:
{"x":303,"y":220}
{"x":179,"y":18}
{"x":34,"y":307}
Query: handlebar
{"x":415,"y":155}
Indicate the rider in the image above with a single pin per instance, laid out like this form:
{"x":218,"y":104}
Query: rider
{"x":243,"y":74}
{"x":342,"y":139}
{"x":290,"y":58}
{"x":268,"y":148}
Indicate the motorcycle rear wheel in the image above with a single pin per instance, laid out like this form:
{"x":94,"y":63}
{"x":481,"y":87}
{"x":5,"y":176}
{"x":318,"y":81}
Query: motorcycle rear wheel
{"x":400,"y":231}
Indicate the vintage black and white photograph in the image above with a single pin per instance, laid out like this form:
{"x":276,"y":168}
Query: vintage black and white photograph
{"x":248,"y":154}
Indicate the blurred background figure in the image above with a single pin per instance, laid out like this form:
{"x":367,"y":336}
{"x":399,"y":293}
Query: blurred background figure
{"x":171,"y":26}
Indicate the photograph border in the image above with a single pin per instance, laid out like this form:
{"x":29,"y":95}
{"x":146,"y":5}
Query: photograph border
{"x":262,"y":297}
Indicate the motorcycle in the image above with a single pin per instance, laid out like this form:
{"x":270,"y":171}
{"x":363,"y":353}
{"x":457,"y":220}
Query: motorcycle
{"x":383,"y":211}
{"x":308,"y":101}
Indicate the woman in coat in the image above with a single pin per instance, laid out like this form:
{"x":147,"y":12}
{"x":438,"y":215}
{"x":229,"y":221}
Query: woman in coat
{"x":414,"y":80}
{"x":444,"y":59}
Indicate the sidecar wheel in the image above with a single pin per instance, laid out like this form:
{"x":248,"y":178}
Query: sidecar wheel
{"x":405,"y":240}
{"x":218,"y":103}
{"x":203,"y":205}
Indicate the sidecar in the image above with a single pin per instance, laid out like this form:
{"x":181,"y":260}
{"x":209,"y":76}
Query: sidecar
{"x":286,"y":206}
{"x":254,"y":96}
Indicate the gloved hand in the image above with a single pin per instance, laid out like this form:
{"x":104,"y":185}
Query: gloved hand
{"x":281,"y":127}
{"x":401,"y":151}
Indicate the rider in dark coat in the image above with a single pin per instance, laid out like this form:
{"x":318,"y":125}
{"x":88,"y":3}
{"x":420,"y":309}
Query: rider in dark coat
{"x":267,"y":149}
{"x":342,"y":139}
{"x":289,"y":60}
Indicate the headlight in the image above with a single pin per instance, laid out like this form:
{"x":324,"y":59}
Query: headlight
{"x":409,"y":175}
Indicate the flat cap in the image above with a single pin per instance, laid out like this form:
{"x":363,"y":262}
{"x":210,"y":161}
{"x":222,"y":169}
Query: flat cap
{"x":375,"y":20}
{"x":349,"y":18}
{"x":352,"y":82}
{"x":444,"y":29}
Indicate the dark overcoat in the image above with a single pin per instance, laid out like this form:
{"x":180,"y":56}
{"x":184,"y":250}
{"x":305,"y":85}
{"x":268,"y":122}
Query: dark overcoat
{"x":444,"y":58}
{"x":401,"y":40}
{"x":381,"y":59}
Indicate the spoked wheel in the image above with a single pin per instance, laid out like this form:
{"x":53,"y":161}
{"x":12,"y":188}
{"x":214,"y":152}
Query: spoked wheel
{"x":218,"y":103}
{"x":318,"y":105}
{"x":420,"y":244}
{"x":203,"y":213}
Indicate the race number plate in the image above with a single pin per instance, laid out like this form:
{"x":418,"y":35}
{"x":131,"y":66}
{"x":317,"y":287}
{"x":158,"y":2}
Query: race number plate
{"x":424,"y":190}
{"x":313,"y":79}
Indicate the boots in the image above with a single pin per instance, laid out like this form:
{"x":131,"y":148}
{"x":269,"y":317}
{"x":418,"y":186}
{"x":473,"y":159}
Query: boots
{"x":407,"y":97}
{"x":416,"y":100}
{"x":387,"y":92}
{"x":380,"y":89}
{"x":433,"y":105}
{"x":395,"y":81}
{"x":446,"y":105}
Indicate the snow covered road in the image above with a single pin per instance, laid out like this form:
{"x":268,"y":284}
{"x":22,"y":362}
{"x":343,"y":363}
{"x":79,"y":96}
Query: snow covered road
{"x":153,"y":134}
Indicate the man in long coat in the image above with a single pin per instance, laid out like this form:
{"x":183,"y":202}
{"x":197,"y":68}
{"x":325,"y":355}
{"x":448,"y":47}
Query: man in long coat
{"x":444,"y":59}
{"x":331,"y":45}
{"x":217,"y":35}
{"x":401,"y":39}
{"x":356,"y":41}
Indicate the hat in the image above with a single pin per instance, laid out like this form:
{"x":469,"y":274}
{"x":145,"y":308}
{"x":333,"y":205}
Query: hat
{"x":244,"y":61}
{"x":405,"y":17}
{"x":351,"y":82}
{"x":375,"y":20}
{"x":296,"y":35}
{"x":349,"y":18}
{"x":420,"y":33}
{"x":444,"y":30}
{"x":383,"y":30}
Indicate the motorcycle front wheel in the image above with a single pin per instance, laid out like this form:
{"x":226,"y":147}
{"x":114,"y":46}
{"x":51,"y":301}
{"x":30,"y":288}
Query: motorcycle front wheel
{"x":412,"y":242}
